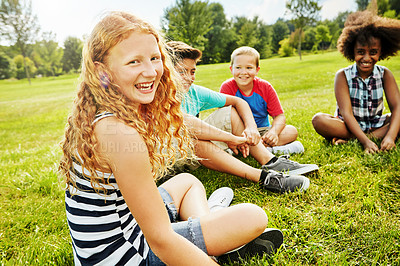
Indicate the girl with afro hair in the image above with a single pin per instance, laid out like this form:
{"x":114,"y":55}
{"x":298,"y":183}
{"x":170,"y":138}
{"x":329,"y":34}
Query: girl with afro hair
{"x":359,"y":88}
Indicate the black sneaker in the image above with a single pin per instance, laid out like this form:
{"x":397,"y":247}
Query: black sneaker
{"x":280,"y":182}
{"x":283,"y":164}
{"x":267,"y":243}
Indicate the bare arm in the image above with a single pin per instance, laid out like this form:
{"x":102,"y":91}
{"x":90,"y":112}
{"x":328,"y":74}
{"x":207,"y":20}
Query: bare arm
{"x":132,"y":170}
{"x":245,"y":113}
{"x":343,"y":100}
{"x":272,"y":136}
{"x":393,"y":99}
{"x":204,"y":131}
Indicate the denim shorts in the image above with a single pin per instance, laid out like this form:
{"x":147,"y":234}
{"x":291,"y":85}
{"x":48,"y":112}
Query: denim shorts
{"x":189,"y":229}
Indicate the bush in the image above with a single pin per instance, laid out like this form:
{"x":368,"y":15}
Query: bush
{"x":286,"y":49}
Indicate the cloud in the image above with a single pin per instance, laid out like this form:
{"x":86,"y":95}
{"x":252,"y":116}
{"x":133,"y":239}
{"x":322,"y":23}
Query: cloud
{"x":267,"y":10}
{"x":270,"y":10}
{"x":331,"y":8}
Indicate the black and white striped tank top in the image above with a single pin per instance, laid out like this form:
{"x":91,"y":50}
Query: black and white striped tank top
{"x":102,"y":228}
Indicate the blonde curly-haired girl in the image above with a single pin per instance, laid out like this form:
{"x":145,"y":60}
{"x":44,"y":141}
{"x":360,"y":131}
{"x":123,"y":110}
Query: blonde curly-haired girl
{"x":119,"y":140}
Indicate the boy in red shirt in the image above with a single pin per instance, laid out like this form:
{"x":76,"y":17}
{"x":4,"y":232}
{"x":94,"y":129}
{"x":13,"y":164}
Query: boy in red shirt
{"x":263,"y":101}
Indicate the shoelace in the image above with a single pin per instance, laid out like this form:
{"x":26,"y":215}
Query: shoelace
{"x":286,"y":158}
{"x":275,"y":176}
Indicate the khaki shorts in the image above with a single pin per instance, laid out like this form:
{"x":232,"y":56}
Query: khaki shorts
{"x":221,"y":119}
{"x":263,"y":130}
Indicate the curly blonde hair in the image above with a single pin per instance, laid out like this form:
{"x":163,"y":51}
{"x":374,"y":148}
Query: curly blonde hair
{"x":361,"y":26}
{"x":159,"y":122}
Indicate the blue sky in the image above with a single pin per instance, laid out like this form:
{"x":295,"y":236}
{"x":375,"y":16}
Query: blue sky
{"x":77,"y":17}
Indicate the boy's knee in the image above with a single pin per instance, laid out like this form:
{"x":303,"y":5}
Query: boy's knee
{"x":292,"y":130}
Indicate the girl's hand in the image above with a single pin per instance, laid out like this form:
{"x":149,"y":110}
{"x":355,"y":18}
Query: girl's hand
{"x":244,"y":150}
{"x":370,"y":147}
{"x":270,"y":139}
{"x":239,"y":144}
{"x":387,"y":144}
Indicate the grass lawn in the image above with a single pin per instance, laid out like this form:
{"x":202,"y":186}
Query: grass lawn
{"x":349,"y":216}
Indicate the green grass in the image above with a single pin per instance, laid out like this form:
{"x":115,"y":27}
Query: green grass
{"x":349,"y":216}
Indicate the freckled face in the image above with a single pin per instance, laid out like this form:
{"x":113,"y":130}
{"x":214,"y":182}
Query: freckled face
{"x":366,"y":56}
{"x":187,"y":70}
{"x":244,"y":70}
{"x":136,"y":66}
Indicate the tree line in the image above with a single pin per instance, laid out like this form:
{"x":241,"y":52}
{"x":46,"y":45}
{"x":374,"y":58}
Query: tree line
{"x":199,"y":23}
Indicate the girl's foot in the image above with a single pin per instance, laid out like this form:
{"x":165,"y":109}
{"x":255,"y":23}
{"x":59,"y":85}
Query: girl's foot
{"x":337,"y":141}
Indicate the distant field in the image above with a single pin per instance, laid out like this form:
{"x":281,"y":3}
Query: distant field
{"x":349,"y":216}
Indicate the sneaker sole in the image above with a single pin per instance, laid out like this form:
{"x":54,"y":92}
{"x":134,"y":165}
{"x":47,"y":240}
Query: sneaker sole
{"x":266,"y":243}
{"x":305,"y":185}
{"x":253,"y":248}
{"x":273,"y":235}
{"x":303,"y":170}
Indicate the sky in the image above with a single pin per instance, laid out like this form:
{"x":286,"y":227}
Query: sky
{"x":76,"y":18}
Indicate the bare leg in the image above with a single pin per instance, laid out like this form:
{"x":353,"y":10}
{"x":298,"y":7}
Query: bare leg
{"x":215,"y":158}
{"x":232,"y":227}
{"x":381,"y":132}
{"x":188,"y":194}
{"x":330,"y":127}
{"x":259,"y":152}
{"x":288,"y":134}
{"x":223,"y":230}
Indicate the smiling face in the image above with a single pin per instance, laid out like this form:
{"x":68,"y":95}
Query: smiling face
{"x":187,"y":69}
{"x":136,"y":66}
{"x":366,"y":56}
{"x":244,"y":70}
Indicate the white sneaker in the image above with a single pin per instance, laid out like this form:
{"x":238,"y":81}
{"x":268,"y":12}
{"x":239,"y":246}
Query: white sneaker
{"x":292,"y":147}
{"x":220,"y":198}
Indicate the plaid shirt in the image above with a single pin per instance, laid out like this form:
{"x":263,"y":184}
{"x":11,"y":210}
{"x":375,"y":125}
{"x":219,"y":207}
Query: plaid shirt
{"x":366,"y":97}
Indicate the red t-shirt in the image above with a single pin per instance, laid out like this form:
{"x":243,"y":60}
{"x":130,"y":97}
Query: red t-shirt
{"x":263,"y":99}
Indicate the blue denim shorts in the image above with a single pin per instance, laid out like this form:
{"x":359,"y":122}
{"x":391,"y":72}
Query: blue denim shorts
{"x":189,"y":229}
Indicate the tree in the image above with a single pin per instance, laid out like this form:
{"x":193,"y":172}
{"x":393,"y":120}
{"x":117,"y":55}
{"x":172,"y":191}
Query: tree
{"x":47,"y":55}
{"x":395,"y":5}
{"x":21,"y":64}
{"x":362,"y":4}
{"x":219,"y":37}
{"x":263,"y":46}
{"x":322,"y":37}
{"x":246,"y":35}
{"x":19,"y":25}
{"x":295,"y":37}
{"x":280,"y":31}
{"x":188,"y":22}
{"x":285,"y":49}
{"x":5,"y":66}
{"x":383,"y":6}
{"x":253,"y":33}
{"x":309,"y":38}
{"x":72,"y":56}
{"x":303,"y":12}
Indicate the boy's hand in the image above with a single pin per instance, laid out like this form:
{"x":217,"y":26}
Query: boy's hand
{"x":270,"y":139}
{"x":252,"y":135}
{"x":387,"y":144}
